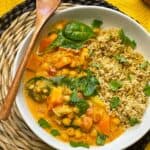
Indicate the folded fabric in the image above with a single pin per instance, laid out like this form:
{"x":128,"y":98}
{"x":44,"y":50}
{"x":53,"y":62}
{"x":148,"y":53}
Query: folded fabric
{"x":7,"y":5}
{"x":137,"y":9}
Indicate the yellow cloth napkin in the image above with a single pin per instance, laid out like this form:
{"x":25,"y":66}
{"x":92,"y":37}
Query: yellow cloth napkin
{"x":136,"y":9}
{"x":6,"y":5}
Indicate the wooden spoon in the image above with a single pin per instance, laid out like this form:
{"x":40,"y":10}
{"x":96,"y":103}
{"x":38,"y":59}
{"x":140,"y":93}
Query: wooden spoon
{"x":44,"y":10}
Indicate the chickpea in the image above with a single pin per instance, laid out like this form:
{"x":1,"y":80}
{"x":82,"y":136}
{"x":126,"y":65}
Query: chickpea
{"x":31,"y":86}
{"x":77,"y":122}
{"x":66,"y":121}
{"x":71,"y":116}
{"x":78,"y":134}
{"x":45,"y":66}
{"x":38,"y":90}
{"x":67,"y":91}
{"x":70,"y":131}
{"x":116,"y":121}
{"x":96,"y":30}
{"x":66,"y":98}
{"x":45,"y":91}
{"x":65,"y":71}
{"x":87,"y":123}
{"x":64,"y":137}
{"x":75,"y":109}
{"x":93,"y":133}
{"x":72,"y":73}
{"x":42,"y":73}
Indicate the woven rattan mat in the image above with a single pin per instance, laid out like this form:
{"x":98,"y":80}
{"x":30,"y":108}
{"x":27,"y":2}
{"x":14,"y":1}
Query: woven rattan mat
{"x":14,"y":133}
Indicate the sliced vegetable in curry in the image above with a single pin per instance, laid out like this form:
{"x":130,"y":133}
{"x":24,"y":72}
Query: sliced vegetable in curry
{"x":72,"y":94}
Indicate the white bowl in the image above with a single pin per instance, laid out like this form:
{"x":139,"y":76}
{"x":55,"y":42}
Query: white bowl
{"x":110,"y":18}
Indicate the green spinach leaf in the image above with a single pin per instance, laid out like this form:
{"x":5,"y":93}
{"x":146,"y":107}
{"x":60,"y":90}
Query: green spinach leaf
{"x":147,"y":90}
{"x":64,"y":42}
{"x":121,"y":59}
{"x":82,"y":105}
{"x":55,"y":132}
{"x":74,"y":97}
{"x":77,"y":31}
{"x":79,"y":144}
{"x":100,"y":139}
{"x":97,"y":23}
{"x":114,"y":85}
{"x":126,"y":40}
{"x":43,"y":123}
{"x":133,"y":121}
{"x":115,"y":102}
{"x":144,"y":65}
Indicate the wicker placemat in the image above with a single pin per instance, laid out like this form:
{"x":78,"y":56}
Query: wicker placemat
{"x":14,"y":133}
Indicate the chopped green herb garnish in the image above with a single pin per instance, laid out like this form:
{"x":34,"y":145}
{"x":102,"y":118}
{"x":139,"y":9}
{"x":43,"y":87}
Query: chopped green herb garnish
{"x":79,"y":144}
{"x":74,"y":97}
{"x":126,"y":40}
{"x":147,"y":90}
{"x":121,"y":59}
{"x":91,"y":52}
{"x":114,"y":85}
{"x":89,"y":84}
{"x":97,"y":23}
{"x":144,"y":65}
{"x":43,"y":123}
{"x":115,"y":102}
{"x":55,"y":132}
{"x":96,"y":65}
{"x":133,"y":121}
{"x":129,"y":77}
{"x":100,"y":139}
{"x":82,"y":105}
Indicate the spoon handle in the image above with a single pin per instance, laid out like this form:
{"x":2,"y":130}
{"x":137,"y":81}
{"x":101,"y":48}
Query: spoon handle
{"x":44,"y":10}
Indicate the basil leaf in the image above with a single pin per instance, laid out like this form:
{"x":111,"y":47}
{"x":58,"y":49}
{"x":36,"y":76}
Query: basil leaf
{"x":144,"y":65}
{"x":133,"y":121}
{"x":55,"y":132}
{"x":121,"y":59}
{"x":79,"y":144}
{"x":114,"y":85}
{"x":97,"y":23}
{"x":126,"y":40}
{"x":147,"y":90}
{"x":115,"y":102}
{"x":43,"y":123}
{"x":77,"y":31}
{"x":62,"y":41}
{"x":100,"y":139}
